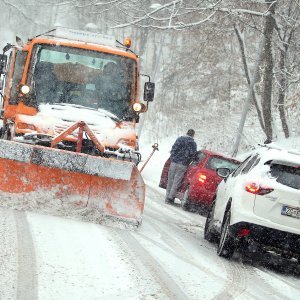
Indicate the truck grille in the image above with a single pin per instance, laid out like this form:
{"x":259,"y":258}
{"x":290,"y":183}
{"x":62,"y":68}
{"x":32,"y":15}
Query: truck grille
{"x":59,"y":128}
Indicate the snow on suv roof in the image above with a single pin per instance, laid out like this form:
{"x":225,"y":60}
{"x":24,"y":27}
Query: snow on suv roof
{"x":275,"y":153}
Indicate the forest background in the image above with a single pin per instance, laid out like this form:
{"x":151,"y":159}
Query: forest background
{"x":212,"y":61}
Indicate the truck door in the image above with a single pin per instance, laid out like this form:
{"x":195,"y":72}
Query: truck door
{"x":18,"y":65}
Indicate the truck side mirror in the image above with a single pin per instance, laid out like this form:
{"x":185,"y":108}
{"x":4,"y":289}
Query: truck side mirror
{"x":149,"y":91}
{"x":3,"y":61}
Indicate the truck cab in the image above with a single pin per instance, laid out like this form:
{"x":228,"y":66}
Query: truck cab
{"x":65,"y":76}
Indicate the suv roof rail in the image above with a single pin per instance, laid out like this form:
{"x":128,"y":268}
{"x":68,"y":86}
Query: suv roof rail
{"x":276,"y":147}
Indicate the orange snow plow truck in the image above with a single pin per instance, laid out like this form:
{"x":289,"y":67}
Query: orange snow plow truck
{"x":70,"y":108}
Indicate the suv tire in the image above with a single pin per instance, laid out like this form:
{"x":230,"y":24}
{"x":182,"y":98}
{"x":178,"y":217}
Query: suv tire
{"x":226,"y":244}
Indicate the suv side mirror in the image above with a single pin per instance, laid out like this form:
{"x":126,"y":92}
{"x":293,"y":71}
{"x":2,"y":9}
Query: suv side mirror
{"x":223,"y":172}
{"x":3,"y":61}
{"x":149,"y":91}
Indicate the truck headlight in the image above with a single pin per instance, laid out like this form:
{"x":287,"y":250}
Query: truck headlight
{"x":25,"y":89}
{"x":139,"y":107}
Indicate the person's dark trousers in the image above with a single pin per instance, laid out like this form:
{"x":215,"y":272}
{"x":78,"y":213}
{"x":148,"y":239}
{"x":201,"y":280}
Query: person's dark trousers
{"x":175,"y":175}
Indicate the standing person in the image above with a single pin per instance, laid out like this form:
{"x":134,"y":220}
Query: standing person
{"x":182,"y":153}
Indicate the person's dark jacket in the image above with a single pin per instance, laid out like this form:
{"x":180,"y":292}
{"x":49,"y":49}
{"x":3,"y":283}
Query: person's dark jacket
{"x":183,"y":150}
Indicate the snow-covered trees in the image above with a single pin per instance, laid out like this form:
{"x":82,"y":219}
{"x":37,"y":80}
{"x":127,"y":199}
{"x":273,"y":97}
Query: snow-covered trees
{"x":275,"y":23}
{"x":202,"y":56}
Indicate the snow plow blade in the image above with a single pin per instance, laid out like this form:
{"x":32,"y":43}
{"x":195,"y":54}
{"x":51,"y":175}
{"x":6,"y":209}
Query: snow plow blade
{"x":112,"y":187}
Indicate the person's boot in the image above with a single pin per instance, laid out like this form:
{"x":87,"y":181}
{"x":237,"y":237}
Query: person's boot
{"x":169,"y":200}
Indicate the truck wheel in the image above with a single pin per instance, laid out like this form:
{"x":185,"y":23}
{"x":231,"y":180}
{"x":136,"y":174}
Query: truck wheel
{"x":5,"y":133}
{"x":185,"y":202}
{"x":226,"y":244}
{"x":209,"y":235}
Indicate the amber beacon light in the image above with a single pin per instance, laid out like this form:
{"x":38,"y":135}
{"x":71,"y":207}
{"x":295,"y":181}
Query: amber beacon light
{"x":127,"y":42}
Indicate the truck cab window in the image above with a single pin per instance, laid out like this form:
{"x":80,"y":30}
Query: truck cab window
{"x":91,"y":79}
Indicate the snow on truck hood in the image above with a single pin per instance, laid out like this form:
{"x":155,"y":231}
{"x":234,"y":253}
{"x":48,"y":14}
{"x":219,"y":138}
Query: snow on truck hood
{"x":74,"y":113}
{"x":53,"y":118}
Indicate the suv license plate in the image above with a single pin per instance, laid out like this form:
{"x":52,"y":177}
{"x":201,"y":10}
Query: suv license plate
{"x":291,"y":211}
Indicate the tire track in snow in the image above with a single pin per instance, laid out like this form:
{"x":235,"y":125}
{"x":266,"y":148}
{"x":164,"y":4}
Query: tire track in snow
{"x":8,"y":255}
{"x":167,"y":285}
{"x":237,"y":281}
{"x":241,"y":280}
{"x":27,"y":278}
{"x":159,"y":201}
{"x":237,"y":277}
{"x":158,"y":205}
{"x":177,"y":221}
{"x":184,"y":229}
{"x":268,"y":288}
{"x":236,"y":274}
{"x":291,"y":284}
{"x":178,"y":250}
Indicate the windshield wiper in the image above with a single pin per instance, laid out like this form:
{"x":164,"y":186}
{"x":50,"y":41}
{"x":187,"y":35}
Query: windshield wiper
{"x":100,"y":111}
{"x":73,"y":105}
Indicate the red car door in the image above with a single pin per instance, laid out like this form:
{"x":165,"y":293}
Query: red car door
{"x":164,"y":174}
{"x":193,"y":168}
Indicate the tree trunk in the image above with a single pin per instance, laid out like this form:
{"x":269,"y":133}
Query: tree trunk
{"x":281,"y":94}
{"x":249,"y":97}
{"x":268,"y":72}
{"x":247,"y":74}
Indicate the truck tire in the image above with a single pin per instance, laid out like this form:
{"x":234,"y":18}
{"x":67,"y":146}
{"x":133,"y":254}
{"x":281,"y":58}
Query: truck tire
{"x":5,"y":133}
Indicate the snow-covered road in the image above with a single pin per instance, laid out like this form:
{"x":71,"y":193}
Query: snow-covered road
{"x":47,"y":257}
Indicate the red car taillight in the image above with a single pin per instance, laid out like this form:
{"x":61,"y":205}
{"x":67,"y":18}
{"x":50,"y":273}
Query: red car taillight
{"x":253,"y":188}
{"x":201,"y":178}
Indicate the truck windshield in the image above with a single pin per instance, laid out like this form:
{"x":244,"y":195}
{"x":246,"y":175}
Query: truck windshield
{"x":88,"y":78}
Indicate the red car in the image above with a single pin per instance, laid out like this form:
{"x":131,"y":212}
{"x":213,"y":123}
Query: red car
{"x":200,"y":181}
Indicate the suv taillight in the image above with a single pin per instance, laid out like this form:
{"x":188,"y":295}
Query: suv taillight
{"x":253,"y":188}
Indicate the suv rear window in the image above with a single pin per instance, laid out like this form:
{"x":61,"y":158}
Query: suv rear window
{"x":218,"y":162}
{"x":287,"y":175}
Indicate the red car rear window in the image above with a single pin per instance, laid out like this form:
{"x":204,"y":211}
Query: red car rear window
{"x":219,"y":162}
{"x":198,"y":157}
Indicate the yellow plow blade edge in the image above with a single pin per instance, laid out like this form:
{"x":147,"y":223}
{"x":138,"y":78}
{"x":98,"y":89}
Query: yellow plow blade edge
{"x":112,"y":187}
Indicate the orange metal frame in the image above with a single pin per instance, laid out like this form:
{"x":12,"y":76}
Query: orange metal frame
{"x":82,"y":126}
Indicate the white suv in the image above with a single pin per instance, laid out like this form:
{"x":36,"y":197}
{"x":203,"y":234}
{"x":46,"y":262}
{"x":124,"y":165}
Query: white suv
{"x":258,"y":205}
